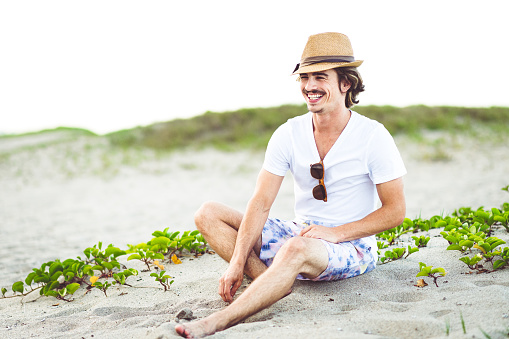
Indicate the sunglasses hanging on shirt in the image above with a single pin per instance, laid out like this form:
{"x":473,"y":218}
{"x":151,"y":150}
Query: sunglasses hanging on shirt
{"x":318,"y":172}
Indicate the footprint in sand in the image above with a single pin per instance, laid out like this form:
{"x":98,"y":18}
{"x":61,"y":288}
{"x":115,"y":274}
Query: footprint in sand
{"x":402,"y":297}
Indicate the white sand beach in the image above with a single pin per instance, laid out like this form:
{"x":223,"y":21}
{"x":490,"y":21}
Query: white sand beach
{"x":60,"y":194}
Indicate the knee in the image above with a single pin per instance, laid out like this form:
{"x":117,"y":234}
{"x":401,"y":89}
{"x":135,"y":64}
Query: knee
{"x":294,"y":250}
{"x":204,"y":214}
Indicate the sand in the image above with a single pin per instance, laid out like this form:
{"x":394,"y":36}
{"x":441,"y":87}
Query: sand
{"x":60,"y":194}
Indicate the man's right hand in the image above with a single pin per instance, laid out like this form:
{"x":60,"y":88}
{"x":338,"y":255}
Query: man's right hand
{"x":230,"y":282}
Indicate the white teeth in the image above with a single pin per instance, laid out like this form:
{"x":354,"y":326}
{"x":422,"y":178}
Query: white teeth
{"x":314,"y":96}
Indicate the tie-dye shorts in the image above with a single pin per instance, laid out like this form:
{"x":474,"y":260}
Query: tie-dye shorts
{"x":347,"y":259}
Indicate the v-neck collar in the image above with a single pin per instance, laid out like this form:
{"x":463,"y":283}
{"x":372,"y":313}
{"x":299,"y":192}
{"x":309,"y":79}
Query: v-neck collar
{"x":338,"y":140}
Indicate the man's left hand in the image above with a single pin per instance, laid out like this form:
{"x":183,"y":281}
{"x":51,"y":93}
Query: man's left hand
{"x":320,"y":232}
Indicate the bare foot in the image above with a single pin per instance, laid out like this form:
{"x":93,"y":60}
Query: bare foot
{"x":195,"y":329}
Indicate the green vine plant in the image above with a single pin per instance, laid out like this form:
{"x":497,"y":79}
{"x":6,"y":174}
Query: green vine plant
{"x":472,"y":237}
{"x":100,"y":269}
{"x":397,"y":253}
{"x":166,"y":245}
{"x":429,"y":271}
{"x":466,"y":230}
{"x":163,"y":279}
{"x":421,"y":241}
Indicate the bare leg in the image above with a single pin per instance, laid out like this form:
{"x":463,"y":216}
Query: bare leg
{"x":219,"y":225}
{"x":307,"y":256}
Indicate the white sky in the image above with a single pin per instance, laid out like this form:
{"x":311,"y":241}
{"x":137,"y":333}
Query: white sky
{"x":108,"y":65}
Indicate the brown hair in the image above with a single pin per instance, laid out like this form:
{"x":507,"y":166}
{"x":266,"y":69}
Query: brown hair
{"x":352,"y":75}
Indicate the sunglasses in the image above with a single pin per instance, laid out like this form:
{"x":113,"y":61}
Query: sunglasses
{"x":317,"y":172}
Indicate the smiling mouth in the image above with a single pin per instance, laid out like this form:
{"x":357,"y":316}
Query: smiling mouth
{"x":314,"y":96}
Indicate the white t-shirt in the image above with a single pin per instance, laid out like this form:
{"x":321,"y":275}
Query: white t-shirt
{"x":364,"y":155}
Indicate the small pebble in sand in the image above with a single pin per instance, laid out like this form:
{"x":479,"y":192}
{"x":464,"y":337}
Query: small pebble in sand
{"x":185,"y":314}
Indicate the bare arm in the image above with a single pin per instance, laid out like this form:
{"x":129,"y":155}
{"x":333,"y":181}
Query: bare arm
{"x":250,"y":230}
{"x":257,"y":212}
{"x":389,"y":215}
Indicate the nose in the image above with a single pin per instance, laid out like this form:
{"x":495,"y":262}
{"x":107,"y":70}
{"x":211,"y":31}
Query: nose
{"x":310,"y":84}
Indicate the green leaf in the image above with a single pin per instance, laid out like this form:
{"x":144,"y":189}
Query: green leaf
{"x":18,"y":286}
{"x":497,"y":243}
{"x":69,"y":276}
{"x":426,"y":269}
{"x":158,"y":256}
{"x":499,"y":264}
{"x":56,"y":276}
{"x":156,"y":248}
{"x":71,"y":288}
{"x":30,"y":278}
{"x":500,"y":219}
{"x":438,"y":270}
{"x":51,"y":293}
{"x":452,"y":239}
{"x":4,"y":290}
{"x":158,"y":234}
{"x":412,"y":250}
{"x":162,"y":241}
{"x":107,"y":265}
{"x":55,"y":267}
{"x":422,"y":274}
{"x":130,"y":271}
{"x":115,"y":251}
{"x":174,"y":235}
{"x":142,"y":246}
{"x":52,"y":285}
{"x":454,"y":247}
{"x":440,"y":223}
{"x":482,"y":214}
{"x":466,"y":243}
{"x":186,"y":241}
{"x":466,"y":260}
{"x":134,"y":256}
{"x":41,"y":279}
{"x":75,"y":267}
{"x":486,"y":247}
{"x":87,"y":270}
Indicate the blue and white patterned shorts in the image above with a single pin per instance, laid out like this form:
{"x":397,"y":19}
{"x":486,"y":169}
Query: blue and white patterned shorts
{"x":347,"y":259}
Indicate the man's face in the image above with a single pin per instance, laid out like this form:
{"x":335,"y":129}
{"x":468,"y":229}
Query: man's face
{"x":321,"y":91}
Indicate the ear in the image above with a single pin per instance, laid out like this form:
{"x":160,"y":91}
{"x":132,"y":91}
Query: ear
{"x":344,"y":85}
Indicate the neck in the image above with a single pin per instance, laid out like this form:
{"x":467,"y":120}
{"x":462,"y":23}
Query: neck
{"x":334,"y":122}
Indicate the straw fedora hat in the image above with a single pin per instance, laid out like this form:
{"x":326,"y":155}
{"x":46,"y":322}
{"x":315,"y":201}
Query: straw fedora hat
{"x":325,"y":51}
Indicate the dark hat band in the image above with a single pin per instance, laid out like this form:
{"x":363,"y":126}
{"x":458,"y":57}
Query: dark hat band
{"x":321,"y":59}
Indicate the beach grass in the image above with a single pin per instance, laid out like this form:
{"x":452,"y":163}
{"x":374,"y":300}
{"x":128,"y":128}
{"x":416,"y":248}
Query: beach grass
{"x":252,"y":127}
{"x":73,"y":130}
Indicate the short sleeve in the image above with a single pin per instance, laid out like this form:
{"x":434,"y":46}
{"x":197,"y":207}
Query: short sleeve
{"x":384,"y":160}
{"x":278,"y":153}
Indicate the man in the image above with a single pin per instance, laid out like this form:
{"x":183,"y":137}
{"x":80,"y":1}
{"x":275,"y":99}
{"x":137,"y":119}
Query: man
{"x":352,"y":160}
